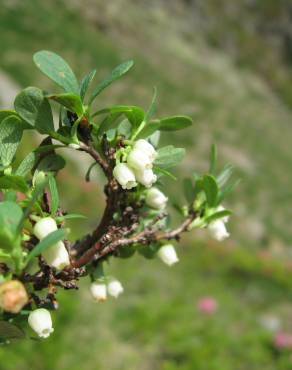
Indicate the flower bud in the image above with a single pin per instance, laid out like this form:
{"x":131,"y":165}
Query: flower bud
{"x":44,"y":227}
{"x":139,"y":160}
{"x":115,"y":288}
{"x":156,"y":199}
{"x":98,"y":291}
{"x":146,"y":147}
{"x":124,"y":176}
{"x":218,"y":230}
{"x":41,"y":322}
{"x":167,"y":254}
{"x":146,"y":177}
{"x":57,"y":256}
{"x":13,"y":296}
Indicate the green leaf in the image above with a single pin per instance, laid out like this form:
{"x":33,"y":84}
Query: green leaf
{"x":169,"y":156}
{"x":175,"y":123}
{"x":10,"y":216}
{"x":118,"y":72}
{"x":188,"y":190}
{"x":36,"y":192}
{"x":162,"y":172}
{"x":9,"y":331}
{"x":5,"y":113}
{"x":211,"y":189}
{"x":70,"y":216}
{"x":55,"y":67}
{"x":54,"y":195}
{"x":153,"y":106}
{"x":13,"y":182}
{"x":27,"y":104}
{"x":225,"y":175}
{"x":148,"y":251}
{"x":46,"y":243}
{"x":149,"y":129}
{"x":213,"y":159}
{"x":227,"y":190}
{"x":85,"y":83}
{"x":27,"y":164}
{"x":124,"y":128}
{"x":70,"y":101}
{"x":10,"y":137}
{"x":218,"y":215}
{"x":44,"y":122}
{"x":134,"y":114}
{"x":51,"y":163}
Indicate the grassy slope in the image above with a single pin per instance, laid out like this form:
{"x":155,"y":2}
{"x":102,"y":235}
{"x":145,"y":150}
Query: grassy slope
{"x":154,"y":326}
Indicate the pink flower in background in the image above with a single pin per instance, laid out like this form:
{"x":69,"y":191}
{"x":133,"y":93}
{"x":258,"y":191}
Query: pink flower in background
{"x":208,"y":305}
{"x":283,"y":340}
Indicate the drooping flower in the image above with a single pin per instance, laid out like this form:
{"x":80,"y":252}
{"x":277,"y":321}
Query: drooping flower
{"x":115,"y":288}
{"x":145,"y":177}
{"x":98,"y":291}
{"x":124,"y":176}
{"x":139,"y":160}
{"x":56,"y":255}
{"x":167,"y":254}
{"x":218,"y":230}
{"x":156,"y":199}
{"x":146,"y":147}
{"x":41,"y":322}
{"x":44,"y":227}
{"x":208,"y":305}
{"x":13,"y":296}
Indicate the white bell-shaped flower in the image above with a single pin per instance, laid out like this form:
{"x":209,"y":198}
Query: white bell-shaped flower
{"x":98,"y":291}
{"x":44,"y":227}
{"x":139,"y":160}
{"x":146,"y":147}
{"x":146,"y":177}
{"x":218,"y":230}
{"x":124,"y":176}
{"x":167,"y":254}
{"x":41,"y":322}
{"x":57,"y":256}
{"x":115,"y":288}
{"x":156,"y":199}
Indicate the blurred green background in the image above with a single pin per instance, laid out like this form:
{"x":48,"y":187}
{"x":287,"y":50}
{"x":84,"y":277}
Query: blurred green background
{"x":228,"y":65}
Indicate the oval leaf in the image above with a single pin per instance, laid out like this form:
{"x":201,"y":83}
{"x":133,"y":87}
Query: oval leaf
{"x":10,"y":137}
{"x":175,"y":123}
{"x":55,"y":67}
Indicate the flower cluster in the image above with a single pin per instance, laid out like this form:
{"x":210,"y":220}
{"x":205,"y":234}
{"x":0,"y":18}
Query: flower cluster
{"x":138,"y":167}
{"x":100,"y":289}
{"x":37,"y":257}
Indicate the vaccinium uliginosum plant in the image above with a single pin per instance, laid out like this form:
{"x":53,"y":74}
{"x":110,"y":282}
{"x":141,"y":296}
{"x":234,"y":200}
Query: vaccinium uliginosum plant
{"x":36,"y":257}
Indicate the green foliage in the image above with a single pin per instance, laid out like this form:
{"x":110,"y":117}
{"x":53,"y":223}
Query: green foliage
{"x":57,"y":70}
{"x":27,"y":104}
{"x":169,"y":156}
{"x":116,"y":73}
{"x":85,"y":83}
{"x":10,"y":137}
{"x":10,"y":217}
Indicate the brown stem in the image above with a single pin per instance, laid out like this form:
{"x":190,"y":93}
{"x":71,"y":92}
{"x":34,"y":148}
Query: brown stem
{"x":95,"y":155}
{"x":145,"y":237}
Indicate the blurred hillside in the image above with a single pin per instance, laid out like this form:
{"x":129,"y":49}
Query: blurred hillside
{"x":228,"y":65}
{"x":204,"y":62}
